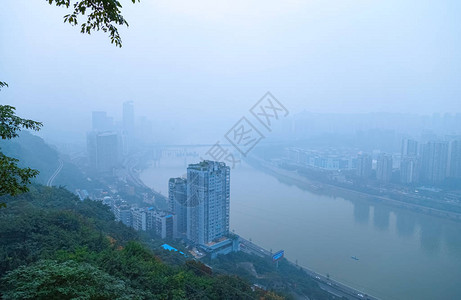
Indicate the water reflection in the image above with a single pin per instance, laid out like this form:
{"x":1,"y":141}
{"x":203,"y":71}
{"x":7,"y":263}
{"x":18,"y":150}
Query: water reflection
{"x":431,"y":236}
{"x":361,"y":212}
{"x":405,"y":223}
{"x":452,"y":238}
{"x":381,"y":216}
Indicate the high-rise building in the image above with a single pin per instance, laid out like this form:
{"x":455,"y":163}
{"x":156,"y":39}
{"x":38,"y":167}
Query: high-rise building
{"x":384,"y":167}
{"x":98,"y":120}
{"x":107,"y":147}
{"x":128,"y":126}
{"x":434,"y":161}
{"x":208,"y":192}
{"x":364,"y":164}
{"x":409,"y":147}
{"x":101,"y":122}
{"x":177,"y":195}
{"x":103,"y":150}
{"x":128,"y":116}
{"x":91,"y":148}
{"x":410,"y":162}
{"x":409,"y":169}
{"x":455,"y":159}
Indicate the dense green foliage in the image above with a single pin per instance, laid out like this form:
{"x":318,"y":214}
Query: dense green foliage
{"x":54,"y":246}
{"x":287,"y":279}
{"x":11,"y":124}
{"x":14,"y":180}
{"x":50,"y":279}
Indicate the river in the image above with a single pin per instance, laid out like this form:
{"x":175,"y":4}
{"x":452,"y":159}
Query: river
{"x":402,"y":254}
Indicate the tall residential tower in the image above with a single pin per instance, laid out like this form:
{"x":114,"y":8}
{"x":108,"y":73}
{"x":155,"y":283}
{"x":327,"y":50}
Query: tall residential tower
{"x":364,"y":164}
{"x":177,"y":196}
{"x":208,"y":193}
{"x":434,"y":161}
{"x":384,"y":167}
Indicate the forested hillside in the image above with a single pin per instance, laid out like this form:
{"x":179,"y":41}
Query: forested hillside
{"x":53,"y":246}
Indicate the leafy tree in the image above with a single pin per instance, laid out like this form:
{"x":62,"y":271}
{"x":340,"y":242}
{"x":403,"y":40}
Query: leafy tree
{"x":14,"y":180}
{"x":11,"y":124}
{"x":101,"y":15}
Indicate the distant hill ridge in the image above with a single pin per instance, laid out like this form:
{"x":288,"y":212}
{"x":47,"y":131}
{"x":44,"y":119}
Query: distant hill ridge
{"x":33,"y":152}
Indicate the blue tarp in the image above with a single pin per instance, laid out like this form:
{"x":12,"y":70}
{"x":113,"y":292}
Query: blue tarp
{"x":168,"y":247}
{"x":171,"y":248}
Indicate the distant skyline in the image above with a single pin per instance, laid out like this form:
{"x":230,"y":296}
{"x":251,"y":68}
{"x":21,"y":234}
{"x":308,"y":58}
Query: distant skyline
{"x":207,"y":61}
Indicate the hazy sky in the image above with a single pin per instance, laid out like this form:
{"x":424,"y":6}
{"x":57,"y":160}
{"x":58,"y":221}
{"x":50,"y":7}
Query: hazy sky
{"x":212,"y":59}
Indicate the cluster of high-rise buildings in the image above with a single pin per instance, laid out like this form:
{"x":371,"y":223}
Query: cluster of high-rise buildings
{"x":310,"y":124}
{"x":108,"y":141}
{"x":425,"y":163}
{"x":431,"y":162}
{"x":198,"y":210}
{"x":384,"y":166}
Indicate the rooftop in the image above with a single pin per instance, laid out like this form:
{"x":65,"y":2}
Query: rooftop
{"x":206,"y":164}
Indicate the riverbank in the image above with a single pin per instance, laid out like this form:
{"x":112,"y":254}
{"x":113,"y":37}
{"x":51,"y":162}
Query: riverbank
{"x":295,"y":178}
{"x":334,"y":288}
{"x":401,"y":251}
{"x":328,"y":284}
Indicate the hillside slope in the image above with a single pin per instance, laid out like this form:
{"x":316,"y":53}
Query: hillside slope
{"x":32,"y":151}
{"x":54,"y":246}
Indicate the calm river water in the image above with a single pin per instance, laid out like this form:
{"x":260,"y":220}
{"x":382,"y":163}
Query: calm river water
{"x":402,"y":254}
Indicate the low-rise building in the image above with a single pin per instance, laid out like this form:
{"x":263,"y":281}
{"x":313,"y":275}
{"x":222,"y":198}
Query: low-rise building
{"x":224,"y":245}
{"x":139,"y":219}
{"x":165,"y":224}
{"x":123,"y":214}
